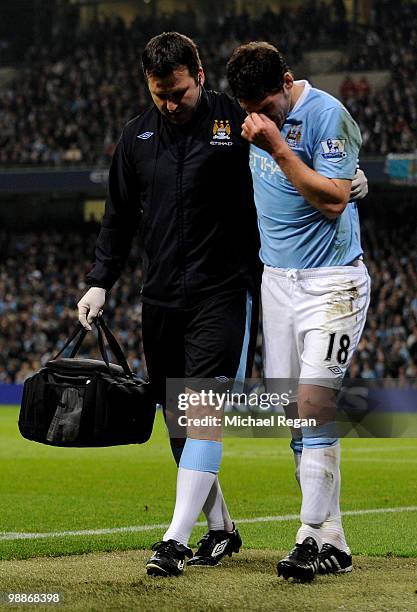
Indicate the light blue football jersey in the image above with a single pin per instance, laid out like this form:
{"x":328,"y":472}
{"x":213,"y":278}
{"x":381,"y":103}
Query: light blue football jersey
{"x":293,"y":233}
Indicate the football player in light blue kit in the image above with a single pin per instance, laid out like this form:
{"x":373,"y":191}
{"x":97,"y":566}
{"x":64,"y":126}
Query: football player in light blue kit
{"x":315,"y":287}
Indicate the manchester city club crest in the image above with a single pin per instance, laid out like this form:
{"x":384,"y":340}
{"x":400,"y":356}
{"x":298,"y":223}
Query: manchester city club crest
{"x":293,"y":137}
{"x":221,"y":132}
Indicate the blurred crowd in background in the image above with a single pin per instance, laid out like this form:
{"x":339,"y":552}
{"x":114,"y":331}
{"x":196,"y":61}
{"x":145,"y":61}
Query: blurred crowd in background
{"x":42,"y":279}
{"x":77,"y":90}
{"x":388,"y":117}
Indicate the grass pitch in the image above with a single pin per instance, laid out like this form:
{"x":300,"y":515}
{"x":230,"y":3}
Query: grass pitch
{"x":116,"y":581}
{"x":52,"y":491}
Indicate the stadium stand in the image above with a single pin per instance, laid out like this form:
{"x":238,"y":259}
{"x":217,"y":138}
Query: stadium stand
{"x":75,"y":92}
{"x":41,"y":280}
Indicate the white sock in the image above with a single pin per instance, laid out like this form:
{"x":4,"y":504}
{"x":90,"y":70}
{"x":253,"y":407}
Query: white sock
{"x":193,"y":488}
{"x":215,"y":509}
{"x":317,"y":477}
{"x":307,"y":531}
{"x":332,"y":529}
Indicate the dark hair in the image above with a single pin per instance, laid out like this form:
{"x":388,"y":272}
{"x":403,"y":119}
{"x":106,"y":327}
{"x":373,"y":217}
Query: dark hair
{"x":256,"y":70}
{"x":168,"y":51}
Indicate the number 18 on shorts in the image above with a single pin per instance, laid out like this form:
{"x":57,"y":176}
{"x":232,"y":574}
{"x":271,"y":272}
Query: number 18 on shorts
{"x":313,"y":320}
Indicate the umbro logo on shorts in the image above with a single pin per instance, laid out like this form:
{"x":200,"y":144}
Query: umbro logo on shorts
{"x":222,"y":379}
{"x":336,"y":370}
{"x":145,"y":135}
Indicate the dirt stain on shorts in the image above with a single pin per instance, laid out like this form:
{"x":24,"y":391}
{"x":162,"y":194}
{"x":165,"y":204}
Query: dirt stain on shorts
{"x":341,"y":301}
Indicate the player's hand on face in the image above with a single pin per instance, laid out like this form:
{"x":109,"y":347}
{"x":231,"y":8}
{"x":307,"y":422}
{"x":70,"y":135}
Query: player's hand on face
{"x":359,"y":188}
{"x":90,"y":306}
{"x":261,"y":131}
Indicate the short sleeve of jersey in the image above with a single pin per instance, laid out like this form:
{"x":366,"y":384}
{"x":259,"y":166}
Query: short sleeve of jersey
{"x":337,"y":141}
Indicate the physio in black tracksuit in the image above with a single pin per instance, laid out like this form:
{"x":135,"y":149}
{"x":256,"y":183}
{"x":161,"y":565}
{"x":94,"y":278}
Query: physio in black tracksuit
{"x":180,"y":174}
{"x":189,"y":190}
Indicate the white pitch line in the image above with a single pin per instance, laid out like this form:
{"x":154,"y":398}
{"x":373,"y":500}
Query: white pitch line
{"x":138,"y":528}
{"x":376,"y":460}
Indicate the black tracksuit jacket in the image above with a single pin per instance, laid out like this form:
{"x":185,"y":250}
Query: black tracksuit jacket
{"x":189,"y":189}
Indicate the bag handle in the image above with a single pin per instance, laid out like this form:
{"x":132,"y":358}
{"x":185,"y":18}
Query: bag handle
{"x":72,"y":337}
{"x":115,"y":347}
{"x":111,"y":341}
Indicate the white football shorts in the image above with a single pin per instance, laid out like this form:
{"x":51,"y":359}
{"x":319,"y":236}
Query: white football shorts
{"x":312,"y":321}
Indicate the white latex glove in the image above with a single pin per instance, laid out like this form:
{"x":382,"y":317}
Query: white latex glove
{"x":359,"y":188}
{"x":90,"y":306}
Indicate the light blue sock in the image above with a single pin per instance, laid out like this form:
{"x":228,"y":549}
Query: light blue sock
{"x":201,"y":455}
{"x":297,"y":445}
{"x":297,"y":448}
{"x":320,"y":436}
